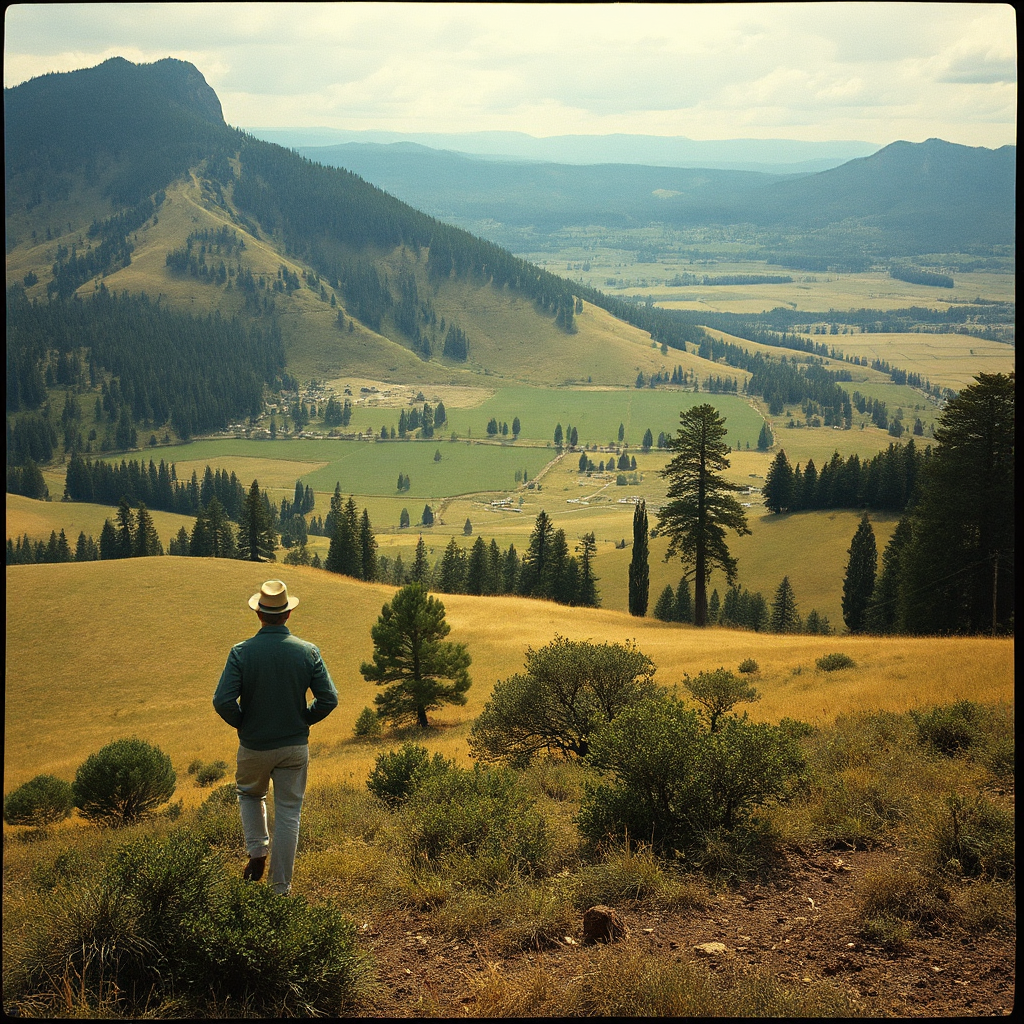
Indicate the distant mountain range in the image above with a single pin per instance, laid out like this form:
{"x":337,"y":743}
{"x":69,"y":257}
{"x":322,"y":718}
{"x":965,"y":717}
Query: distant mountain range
{"x":781,"y":156}
{"x":905,"y":199}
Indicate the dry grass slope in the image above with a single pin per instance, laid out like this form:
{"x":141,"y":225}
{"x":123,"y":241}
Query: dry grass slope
{"x":102,"y":650}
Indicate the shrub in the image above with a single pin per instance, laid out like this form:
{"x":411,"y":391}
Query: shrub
{"x":397,"y":773}
{"x":165,"y":926}
{"x":480,"y":813}
{"x":718,"y":693}
{"x":834,"y":662}
{"x":748,"y":665}
{"x":569,"y":689}
{"x":674,"y":783}
{"x":124,"y":781}
{"x":40,"y":801}
{"x":210,"y":773}
{"x":367,"y":724}
{"x":952,"y":728}
{"x":970,"y":836}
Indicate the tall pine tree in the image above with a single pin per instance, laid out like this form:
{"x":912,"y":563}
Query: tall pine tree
{"x":860,"y":576}
{"x":639,"y":570}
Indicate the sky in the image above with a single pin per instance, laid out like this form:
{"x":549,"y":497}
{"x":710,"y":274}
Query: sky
{"x":871,"y":72}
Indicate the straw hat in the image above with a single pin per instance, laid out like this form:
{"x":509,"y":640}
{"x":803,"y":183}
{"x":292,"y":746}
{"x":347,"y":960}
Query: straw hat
{"x":273,"y":599}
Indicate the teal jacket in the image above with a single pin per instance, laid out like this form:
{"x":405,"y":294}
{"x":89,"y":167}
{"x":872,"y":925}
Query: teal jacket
{"x":262,"y":690}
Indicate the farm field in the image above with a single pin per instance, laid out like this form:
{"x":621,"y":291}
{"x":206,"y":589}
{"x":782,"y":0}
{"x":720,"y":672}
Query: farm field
{"x":617,"y":271}
{"x":152,"y":668}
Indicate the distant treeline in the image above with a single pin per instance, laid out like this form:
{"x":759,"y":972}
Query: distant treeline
{"x":199,"y":373}
{"x":157,"y":487}
{"x":883,"y":483}
{"x":915,"y":275}
{"x":687,"y":279}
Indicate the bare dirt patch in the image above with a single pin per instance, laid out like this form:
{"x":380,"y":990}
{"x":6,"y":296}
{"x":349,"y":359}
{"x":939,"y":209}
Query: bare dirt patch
{"x":801,"y":928}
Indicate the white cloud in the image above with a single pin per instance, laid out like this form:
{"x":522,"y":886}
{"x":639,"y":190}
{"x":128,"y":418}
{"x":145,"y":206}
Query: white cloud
{"x":811,"y":71}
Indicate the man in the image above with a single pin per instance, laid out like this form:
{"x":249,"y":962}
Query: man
{"x":262,"y":693}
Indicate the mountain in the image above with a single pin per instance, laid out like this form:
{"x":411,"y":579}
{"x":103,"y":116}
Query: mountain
{"x":778,"y":156}
{"x":125,"y":178}
{"x":906,"y":199}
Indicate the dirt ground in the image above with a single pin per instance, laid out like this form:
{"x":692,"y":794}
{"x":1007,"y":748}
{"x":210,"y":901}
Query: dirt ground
{"x":800,"y":927}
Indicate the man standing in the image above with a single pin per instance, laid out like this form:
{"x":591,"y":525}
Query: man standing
{"x":262,"y":694}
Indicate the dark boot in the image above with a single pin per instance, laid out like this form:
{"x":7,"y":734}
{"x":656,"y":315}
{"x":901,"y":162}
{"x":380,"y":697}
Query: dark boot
{"x":254,"y":869}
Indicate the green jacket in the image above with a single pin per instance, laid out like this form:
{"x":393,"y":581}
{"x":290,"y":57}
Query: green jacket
{"x":262,"y":690}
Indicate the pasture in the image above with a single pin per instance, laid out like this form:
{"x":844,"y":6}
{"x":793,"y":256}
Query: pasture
{"x":143,"y":642}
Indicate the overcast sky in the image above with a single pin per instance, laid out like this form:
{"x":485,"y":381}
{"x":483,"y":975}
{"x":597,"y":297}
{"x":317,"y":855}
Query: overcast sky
{"x":874,"y":72}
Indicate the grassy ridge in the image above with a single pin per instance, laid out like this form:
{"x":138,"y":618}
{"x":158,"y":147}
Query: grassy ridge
{"x":143,"y":642}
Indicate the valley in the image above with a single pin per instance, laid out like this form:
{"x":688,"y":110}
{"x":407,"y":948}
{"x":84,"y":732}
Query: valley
{"x":183,"y":294}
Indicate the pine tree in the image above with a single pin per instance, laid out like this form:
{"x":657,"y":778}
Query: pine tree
{"x":125,"y":530}
{"x":684,"y":602}
{"x":427,"y":518}
{"x":784,"y":616}
{"x":764,"y":439}
{"x":778,"y":484}
{"x":419,"y":668}
{"x":532,"y":573}
{"x":420,"y":567}
{"x":147,"y":541}
{"x":367,"y":548}
{"x":476,"y":568}
{"x":451,"y":570}
{"x":665,"y":606}
{"x":257,"y":538}
{"x":860,"y":576}
{"x":588,"y":595}
{"x":639,"y":570}
{"x":700,"y":507}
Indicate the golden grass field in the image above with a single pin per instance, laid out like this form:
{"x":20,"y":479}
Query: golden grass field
{"x":103,"y":650}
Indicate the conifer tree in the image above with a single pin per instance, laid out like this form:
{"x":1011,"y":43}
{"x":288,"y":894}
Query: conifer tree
{"x":420,"y":567}
{"x":588,"y":595}
{"x":418,"y":667}
{"x":784,"y":615}
{"x":476,"y":568}
{"x":665,"y":606}
{"x":451,"y":570}
{"x":367,"y":548}
{"x":639,"y":570}
{"x":125,"y":530}
{"x":700,"y":507}
{"x":532,"y":573}
{"x":257,"y":537}
{"x":146,"y":541}
{"x":778,"y":484}
{"x":684,"y":602}
{"x":860,"y":576}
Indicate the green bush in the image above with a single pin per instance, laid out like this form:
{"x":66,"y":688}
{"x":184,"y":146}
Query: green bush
{"x":718,"y":693}
{"x":970,"y":836}
{"x":164,"y":925}
{"x":482,"y":813}
{"x":950,"y":728}
{"x":124,"y":781}
{"x":40,"y":801}
{"x":834,"y":662}
{"x":748,"y":665}
{"x":367,"y":724}
{"x":210,"y":773}
{"x":569,"y":689}
{"x":397,"y":773}
{"x":674,"y":783}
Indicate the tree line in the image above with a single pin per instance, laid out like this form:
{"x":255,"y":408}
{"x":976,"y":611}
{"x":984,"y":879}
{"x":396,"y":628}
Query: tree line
{"x":885,"y":482}
{"x":949,"y":566}
{"x":198,"y":373}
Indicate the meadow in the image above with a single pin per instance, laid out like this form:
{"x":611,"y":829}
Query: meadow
{"x":143,"y":642}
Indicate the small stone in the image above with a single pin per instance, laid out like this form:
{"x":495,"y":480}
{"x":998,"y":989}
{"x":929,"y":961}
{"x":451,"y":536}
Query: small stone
{"x":711,"y":948}
{"x":602,"y":924}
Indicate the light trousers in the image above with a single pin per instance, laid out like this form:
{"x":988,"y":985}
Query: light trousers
{"x":286,"y":768}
